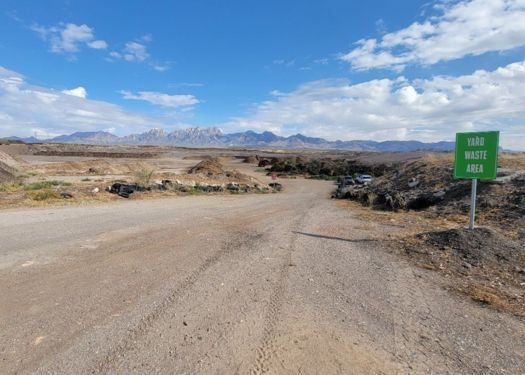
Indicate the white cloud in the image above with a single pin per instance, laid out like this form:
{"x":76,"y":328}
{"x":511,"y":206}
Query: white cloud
{"x":137,"y":51}
{"x":98,"y":44}
{"x":25,"y":109}
{"x":381,"y":109}
{"x":132,"y":51}
{"x":161,"y":99}
{"x":462,"y":28}
{"x":161,"y":67}
{"x":67,"y":38}
{"x":79,"y":92}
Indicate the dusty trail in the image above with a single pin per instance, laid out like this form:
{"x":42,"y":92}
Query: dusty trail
{"x":284,"y":283}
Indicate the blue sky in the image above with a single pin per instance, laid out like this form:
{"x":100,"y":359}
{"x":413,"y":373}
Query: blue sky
{"x":337,"y":69}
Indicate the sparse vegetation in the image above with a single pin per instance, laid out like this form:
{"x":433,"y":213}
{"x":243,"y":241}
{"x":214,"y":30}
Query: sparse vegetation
{"x":143,"y":175}
{"x":326,"y":169}
{"x":44,"y":195}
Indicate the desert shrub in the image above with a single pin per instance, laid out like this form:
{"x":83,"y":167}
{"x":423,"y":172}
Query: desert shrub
{"x":44,"y":195}
{"x":9,"y":187}
{"x":143,"y":175}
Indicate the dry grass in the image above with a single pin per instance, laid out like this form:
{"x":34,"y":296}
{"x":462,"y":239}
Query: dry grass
{"x":513,"y":161}
{"x":143,"y":174}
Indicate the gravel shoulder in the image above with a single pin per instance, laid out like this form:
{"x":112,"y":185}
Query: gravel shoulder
{"x":279,"y":283}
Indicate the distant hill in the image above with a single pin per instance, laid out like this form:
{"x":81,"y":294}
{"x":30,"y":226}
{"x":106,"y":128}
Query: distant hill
{"x":25,"y":140}
{"x":214,"y":137}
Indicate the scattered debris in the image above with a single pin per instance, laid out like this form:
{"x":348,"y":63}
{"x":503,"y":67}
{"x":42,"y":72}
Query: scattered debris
{"x":125,"y":190}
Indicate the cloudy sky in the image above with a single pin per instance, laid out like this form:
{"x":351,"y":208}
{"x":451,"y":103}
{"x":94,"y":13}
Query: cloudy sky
{"x":336,"y":69}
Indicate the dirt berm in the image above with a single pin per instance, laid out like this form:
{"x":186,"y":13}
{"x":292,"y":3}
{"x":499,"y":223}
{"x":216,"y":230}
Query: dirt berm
{"x":484,"y":264}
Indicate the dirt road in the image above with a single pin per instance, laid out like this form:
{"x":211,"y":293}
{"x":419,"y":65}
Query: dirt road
{"x":282,"y":283}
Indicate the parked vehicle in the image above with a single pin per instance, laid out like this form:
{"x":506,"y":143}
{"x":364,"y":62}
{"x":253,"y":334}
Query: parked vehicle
{"x":364,"y":179}
{"x":348,"y":180}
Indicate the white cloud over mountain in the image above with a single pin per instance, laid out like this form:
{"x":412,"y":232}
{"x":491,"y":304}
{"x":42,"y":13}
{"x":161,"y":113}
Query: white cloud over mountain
{"x":381,"y":109}
{"x":26,"y":109}
{"x":161,"y":99}
{"x":463,"y":28}
{"x":69,"y":38}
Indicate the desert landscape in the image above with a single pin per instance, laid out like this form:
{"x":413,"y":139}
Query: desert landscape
{"x":256,"y":261}
{"x":262,"y":187}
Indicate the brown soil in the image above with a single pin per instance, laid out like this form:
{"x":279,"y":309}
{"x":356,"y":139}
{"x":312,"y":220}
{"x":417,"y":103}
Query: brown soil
{"x":213,"y":168}
{"x":96,"y":167}
{"x":252,"y":159}
{"x":6,"y":174}
{"x":488,"y":266}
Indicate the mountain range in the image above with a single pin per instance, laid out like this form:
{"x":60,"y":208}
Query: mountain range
{"x":214,"y":137}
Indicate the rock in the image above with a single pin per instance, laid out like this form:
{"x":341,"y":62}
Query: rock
{"x":439,"y":194}
{"x":95,"y":190}
{"x":413,"y":182}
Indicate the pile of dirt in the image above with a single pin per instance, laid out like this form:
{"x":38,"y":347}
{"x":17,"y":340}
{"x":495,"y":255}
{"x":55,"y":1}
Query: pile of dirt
{"x":252,"y":159}
{"x":480,"y":246}
{"x":209,"y":166}
{"x":8,"y":167}
{"x":213,"y":168}
{"x":481,"y":263}
{"x":8,"y":160}
{"x":6,"y":173}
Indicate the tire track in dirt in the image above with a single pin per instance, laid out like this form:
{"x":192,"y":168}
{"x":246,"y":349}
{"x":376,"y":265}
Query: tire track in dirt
{"x":145,"y":323}
{"x":266,"y":349}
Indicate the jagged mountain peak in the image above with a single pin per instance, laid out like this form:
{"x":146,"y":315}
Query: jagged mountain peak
{"x":214,"y":137}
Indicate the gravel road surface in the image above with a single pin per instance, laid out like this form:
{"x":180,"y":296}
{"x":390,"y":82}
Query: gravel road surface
{"x":287,"y":283}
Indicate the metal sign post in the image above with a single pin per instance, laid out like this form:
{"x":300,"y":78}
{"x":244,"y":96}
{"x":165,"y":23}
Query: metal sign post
{"x":476,"y":158}
{"x":473,"y":203}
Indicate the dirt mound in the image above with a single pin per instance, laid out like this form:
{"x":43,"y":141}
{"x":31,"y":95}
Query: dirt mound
{"x":6,"y":173}
{"x":8,"y":160}
{"x":252,"y":159}
{"x":209,"y":166}
{"x":213,"y":168}
{"x":482,"y":264}
{"x":478,"y":246}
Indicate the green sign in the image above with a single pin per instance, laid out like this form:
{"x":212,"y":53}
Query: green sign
{"x":476,"y":155}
